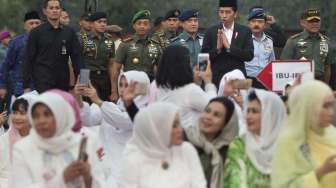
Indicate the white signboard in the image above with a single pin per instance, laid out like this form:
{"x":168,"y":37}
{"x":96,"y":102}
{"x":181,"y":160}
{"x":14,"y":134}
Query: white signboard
{"x":284,"y":72}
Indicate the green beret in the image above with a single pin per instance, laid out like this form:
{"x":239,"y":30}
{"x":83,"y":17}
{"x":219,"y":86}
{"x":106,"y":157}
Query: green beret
{"x":142,"y":14}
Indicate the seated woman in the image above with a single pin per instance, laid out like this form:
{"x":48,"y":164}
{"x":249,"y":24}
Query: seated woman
{"x":19,"y":128}
{"x":175,"y":82}
{"x":48,"y":156}
{"x":156,"y":155}
{"x":217,"y":127}
{"x":116,"y":126}
{"x":249,"y":157}
{"x":305,"y":155}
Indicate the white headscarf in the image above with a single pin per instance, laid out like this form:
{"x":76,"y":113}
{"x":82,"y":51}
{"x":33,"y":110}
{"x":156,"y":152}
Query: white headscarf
{"x":260,"y":149}
{"x":152,"y":131}
{"x":13,"y":134}
{"x":233,"y":75}
{"x":141,"y":78}
{"x":64,"y":115}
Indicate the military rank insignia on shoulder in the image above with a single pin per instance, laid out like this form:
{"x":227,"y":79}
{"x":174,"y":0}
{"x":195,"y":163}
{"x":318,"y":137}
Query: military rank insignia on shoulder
{"x":324,"y":37}
{"x":127,"y":39}
{"x":295,"y":36}
{"x":154,"y":41}
{"x":175,"y":39}
{"x":269,"y":37}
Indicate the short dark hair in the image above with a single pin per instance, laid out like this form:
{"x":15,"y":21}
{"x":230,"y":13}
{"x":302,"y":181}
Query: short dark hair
{"x":20,"y":104}
{"x":174,"y":69}
{"x":228,"y":104}
{"x":253,"y":97}
{"x":45,"y":4}
{"x":233,"y":8}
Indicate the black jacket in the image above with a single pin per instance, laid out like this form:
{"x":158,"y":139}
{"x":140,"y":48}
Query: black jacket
{"x":241,"y":50}
{"x":47,"y":56}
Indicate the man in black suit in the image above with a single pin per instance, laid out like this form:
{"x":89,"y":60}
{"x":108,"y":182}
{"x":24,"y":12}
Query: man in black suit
{"x":228,"y":43}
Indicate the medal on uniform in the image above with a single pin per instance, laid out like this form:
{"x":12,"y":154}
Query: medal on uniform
{"x":136,"y":60}
{"x":153,"y":51}
{"x":108,"y":43}
{"x":90,"y":48}
{"x":64,"y":51}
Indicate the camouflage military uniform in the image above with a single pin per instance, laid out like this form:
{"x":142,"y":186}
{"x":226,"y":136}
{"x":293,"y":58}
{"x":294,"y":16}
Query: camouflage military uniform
{"x":309,"y":46}
{"x":139,"y":54}
{"x":97,"y":52}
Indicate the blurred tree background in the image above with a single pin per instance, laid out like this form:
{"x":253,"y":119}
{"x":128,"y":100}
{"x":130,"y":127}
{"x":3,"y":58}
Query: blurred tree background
{"x":287,"y":12}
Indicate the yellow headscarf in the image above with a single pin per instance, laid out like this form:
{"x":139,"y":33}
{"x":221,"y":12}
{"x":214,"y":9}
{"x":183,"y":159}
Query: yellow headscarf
{"x":300,"y":149}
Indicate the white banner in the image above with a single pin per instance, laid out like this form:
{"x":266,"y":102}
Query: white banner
{"x":284,"y":72}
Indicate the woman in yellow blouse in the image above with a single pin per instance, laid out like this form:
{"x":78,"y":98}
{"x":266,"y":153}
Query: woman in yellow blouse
{"x":306,"y":153}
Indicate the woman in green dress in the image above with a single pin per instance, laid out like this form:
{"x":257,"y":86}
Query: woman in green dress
{"x":211,"y":136}
{"x":248,"y":163}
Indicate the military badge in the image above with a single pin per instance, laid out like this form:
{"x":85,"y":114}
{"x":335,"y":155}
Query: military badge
{"x":108,"y":43}
{"x":135,"y":60}
{"x":153,"y":51}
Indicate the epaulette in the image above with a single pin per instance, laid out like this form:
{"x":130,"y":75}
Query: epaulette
{"x":155,"y":41}
{"x":161,"y":34}
{"x":269,"y":37}
{"x":295,"y":36}
{"x":107,"y":35}
{"x":127,"y":39}
{"x":174,"y":39}
{"x":324,"y":37}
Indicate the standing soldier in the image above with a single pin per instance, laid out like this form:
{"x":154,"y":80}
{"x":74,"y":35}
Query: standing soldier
{"x":85,"y":26}
{"x":311,"y":44}
{"x":138,"y":52}
{"x":171,"y":30}
{"x":172,"y":23}
{"x":190,"y":36}
{"x":98,"y":51}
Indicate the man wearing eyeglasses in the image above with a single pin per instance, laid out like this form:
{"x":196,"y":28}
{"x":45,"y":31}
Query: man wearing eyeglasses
{"x":312,"y":45}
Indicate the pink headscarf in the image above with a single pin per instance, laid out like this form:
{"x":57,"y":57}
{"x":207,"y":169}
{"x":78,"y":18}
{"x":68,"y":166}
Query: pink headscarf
{"x":73,"y":103}
{"x":4,"y":35}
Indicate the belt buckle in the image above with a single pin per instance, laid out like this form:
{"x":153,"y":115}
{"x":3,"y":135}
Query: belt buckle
{"x":98,"y":72}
